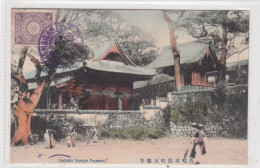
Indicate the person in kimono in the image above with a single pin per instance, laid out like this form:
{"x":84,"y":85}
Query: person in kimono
{"x":46,"y":137}
{"x":95,"y":135}
{"x":52,"y":140}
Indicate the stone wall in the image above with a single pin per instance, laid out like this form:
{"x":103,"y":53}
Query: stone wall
{"x":147,"y":118}
{"x":210,"y":129}
{"x":187,"y":96}
{"x":122,"y":119}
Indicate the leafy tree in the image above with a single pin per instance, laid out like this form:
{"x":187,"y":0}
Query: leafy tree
{"x":100,"y":25}
{"x":65,"y":53}
{"x":228,"y":30}
{"x":137,"y":44}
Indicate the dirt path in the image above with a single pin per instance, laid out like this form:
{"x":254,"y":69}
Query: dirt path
{"x":160,"y":151}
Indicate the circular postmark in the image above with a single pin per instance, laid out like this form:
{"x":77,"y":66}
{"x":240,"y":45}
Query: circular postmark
{"x":52,"y":32}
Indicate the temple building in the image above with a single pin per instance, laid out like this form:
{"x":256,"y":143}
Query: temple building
{"x":103,"y":82}
{"x":199,"y":65}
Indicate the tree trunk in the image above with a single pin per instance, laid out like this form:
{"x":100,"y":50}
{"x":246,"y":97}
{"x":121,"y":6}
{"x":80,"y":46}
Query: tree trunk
{"x":24,"y":113}
{"x":176,"y":55}
{"x":223,"y":55}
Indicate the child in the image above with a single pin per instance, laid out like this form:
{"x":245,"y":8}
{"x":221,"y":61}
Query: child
{"x":198,"y":139}
{"x":74,"y":138}
{"x":68,"y":140}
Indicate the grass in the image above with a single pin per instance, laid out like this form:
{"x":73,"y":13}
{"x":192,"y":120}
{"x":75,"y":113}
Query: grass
{"x":133,"y":133}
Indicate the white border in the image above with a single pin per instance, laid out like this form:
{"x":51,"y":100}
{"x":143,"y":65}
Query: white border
{"x":254,"y":68}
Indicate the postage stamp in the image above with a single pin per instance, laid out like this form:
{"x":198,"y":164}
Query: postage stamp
{"x":29,"y":25}
{"x":154,"y":87}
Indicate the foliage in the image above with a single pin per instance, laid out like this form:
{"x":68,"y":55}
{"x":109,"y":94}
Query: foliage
{"x":196,"y":111}
{"x":133,"y":133}
{"x":65,"y":53}
{"x":75,"y":123}
{"x":223,"y":103}
{"x":59,"y":125}
{"x":207,"y":24}
{"x":173,"y":115}
{"x":239,"y":76}
{"x":136,"y":43}
{"x":231,"y":104}
{"x":187,"y":112}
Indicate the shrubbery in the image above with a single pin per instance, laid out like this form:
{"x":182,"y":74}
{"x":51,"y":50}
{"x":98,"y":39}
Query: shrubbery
{"x":222,"y":103}
{"x":133,"y":133}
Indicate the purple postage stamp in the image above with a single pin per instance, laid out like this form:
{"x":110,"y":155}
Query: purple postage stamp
{"x":29,"y":25}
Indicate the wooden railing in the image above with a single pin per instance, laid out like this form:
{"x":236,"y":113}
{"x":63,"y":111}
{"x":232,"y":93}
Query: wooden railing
{"x":195,"y":88}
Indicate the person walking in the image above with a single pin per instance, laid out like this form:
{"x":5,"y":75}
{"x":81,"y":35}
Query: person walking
{"x":198,"y":139}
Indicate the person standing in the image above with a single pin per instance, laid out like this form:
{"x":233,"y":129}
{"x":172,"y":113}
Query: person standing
{"x":95,"y":135}
{"x":68,"y":141}
{"x":46,"y":137}
{"x":87,"y":136}
{"x":52,"y":140}
{"x":74,"y":138}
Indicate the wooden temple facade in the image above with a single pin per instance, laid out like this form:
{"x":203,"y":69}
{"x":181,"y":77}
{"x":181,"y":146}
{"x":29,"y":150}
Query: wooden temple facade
{"x":198,"y":63}
{"x":103,"y":82}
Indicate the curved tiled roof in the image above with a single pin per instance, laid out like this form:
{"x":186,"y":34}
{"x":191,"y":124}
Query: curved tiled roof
{"x":103,"y":65}
{"x":118,"y":67}
{"x":189,"y":53}
{"x":101,"y":48}
{"x":98,"y":50}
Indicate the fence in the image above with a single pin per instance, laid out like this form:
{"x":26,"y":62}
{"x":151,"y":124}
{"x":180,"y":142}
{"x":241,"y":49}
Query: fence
{"x":194,"y":88}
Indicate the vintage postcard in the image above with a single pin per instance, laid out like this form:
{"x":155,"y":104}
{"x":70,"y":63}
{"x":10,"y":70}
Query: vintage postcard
{"x":129,"y":86}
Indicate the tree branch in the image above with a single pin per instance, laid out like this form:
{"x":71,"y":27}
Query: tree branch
{"x":167,"y":18}
{"x":237,"y":52}
{"x":37,"y":66}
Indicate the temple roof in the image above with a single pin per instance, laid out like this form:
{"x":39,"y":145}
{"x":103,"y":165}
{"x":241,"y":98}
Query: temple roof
{"x":189,"y":53}
{"x":31,"y":74}
{"x":33,"y":85}
{"x":159,"y":78}
{"x":99,"y":50}
{"x":103,"y":65}
{"x":118,"y":67}
{"x":233,"y":65}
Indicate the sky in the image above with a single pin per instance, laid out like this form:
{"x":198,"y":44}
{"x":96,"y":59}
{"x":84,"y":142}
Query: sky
{"x":150,"y":20}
